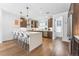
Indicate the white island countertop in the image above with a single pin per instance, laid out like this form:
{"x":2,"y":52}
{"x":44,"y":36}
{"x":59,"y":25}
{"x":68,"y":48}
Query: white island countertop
{"x":33,"y":32}
{"x":76,"y":36}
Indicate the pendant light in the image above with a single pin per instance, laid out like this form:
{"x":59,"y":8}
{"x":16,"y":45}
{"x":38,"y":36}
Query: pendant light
{"x":28,"y":20}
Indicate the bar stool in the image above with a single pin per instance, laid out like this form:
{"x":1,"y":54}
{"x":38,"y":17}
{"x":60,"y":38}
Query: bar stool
{"x":25,"y":40}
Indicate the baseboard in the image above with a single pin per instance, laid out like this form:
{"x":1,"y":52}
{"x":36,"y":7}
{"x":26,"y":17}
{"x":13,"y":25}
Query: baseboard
{"x":9,"y":40}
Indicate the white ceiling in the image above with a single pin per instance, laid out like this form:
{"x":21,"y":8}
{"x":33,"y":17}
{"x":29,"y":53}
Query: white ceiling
{"x":35,"y":9}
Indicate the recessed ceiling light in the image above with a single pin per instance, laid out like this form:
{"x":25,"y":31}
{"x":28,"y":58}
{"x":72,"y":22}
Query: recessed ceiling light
{"x":20,"y":12}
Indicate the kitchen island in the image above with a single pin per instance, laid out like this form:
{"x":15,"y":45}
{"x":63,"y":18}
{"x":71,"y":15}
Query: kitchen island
{"x":35,"y":40}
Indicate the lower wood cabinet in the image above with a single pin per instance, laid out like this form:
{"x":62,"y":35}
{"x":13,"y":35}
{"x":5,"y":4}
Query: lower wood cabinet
{"x":74,"y":47}
{"x":50,"y":35}
{"x":47,"y":34}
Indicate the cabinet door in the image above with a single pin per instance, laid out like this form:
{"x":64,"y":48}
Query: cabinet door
{"x":50,"y":35}
{"x":77,"y":24}
{"x":76,"y":19}
{"x":76,"y":10}
{"x":50,"y":22}
{"x":45,"y":34}
{"x":23,"y":23}
{"x":34,"y":23}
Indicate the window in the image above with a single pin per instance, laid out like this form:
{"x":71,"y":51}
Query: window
{"x":58,"y":22}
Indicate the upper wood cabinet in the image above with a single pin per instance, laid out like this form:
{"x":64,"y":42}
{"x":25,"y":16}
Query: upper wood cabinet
{"x":74,"y":10}
{"x":34,"y":24}
{"x":50,"y":22}
{"x":23,"y":22}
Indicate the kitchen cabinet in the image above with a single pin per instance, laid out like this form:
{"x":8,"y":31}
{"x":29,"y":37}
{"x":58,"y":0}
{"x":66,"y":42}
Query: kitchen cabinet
{"x":23,"y":22}
{"x":34,"y":24}
{"x":50,"y":22}
{"x":75,"y":46}
{"x":74,"y":11}
{"x":47,"y":34}
{"x":50,"y":35}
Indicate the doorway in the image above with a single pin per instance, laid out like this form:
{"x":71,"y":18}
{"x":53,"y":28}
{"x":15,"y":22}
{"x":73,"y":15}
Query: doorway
{"x":58,"y":27}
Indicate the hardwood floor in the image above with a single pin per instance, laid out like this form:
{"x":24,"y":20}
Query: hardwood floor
{"x":48,"y":48}
{"x":60,"y":48}
{"x":11,"y":48}
{"x":45,"y":49}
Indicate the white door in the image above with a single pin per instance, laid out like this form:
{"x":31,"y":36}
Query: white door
{"x":58,"y":27}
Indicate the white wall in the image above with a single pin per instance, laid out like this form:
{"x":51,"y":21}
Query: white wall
{"x":64,"y":30}
{"x":69,"y":26}
{"x":0,"y":26}
{"x":65,"y":27}
{"x":8,"y":25}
